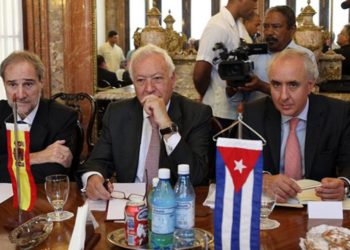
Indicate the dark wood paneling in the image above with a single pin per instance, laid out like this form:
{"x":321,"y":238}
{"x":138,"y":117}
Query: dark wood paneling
{"x":186,"y":17}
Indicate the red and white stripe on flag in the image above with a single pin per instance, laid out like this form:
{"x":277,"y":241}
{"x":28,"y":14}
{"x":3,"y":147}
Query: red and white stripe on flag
{"x":27,"y":183}
{"x":238,"y":194}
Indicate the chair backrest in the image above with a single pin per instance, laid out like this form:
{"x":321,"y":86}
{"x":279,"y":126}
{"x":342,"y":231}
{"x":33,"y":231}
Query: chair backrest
{"x":85,"y":105}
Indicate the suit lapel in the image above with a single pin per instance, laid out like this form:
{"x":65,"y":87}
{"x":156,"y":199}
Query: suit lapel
{"x":315,"y":118}
{"x":38,"y":131}
{"x":133,"y":138}
{"x":273,"y":134}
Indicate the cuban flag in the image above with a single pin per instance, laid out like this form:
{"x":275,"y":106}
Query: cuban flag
{"x":238,"y":194}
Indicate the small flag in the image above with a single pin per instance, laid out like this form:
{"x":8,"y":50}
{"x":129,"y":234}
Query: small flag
{"x":27,"y":183}
{"x":238,"y":194}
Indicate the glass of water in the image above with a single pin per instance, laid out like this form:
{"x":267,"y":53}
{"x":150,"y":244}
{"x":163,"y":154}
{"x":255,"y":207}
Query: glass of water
{"x":57,"y":190}
{"x":268,"y":201}
{"x":193,"y":238}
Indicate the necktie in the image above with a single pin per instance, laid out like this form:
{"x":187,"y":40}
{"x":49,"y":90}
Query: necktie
{"x":152,"y":158}
{"x":292,"y":155}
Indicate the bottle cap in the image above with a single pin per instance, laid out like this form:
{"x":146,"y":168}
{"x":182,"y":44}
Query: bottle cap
{"x":183,"y":169}
{"x":164,"y":173}
{"x":155,"y":181}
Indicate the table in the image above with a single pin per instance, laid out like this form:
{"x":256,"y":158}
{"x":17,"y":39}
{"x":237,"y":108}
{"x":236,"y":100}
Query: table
{"x":294,"y":222}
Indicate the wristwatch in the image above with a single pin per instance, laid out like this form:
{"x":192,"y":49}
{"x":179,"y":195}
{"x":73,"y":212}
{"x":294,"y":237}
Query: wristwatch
{"x":169,"y":130}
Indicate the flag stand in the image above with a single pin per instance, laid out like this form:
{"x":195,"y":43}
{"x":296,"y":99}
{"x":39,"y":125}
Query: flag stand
{"x":240,"y":124}
{"x":18,"y":182}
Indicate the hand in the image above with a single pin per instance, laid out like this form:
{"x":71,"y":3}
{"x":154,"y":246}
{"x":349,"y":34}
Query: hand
{"x":155,"y":107}
{"x":57,"y":152}
{"x":331,"y":189}
{"x":256,"y":84}
{"x":95,"y":189}
{"x":231,"y":91}
{"x":283,"y":186}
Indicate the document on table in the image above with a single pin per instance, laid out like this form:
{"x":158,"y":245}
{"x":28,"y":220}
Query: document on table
{"x":5,"y":191}
{"x":116,"y":207}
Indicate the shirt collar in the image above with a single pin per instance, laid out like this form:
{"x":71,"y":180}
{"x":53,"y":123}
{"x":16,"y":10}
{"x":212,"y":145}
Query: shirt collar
{"x":302,"y":116}
{"x":30,"y":118}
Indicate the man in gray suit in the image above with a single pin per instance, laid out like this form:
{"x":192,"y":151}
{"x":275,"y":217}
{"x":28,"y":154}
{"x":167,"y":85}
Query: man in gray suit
{"x":323,"y":130}
{"x":184,"y":128}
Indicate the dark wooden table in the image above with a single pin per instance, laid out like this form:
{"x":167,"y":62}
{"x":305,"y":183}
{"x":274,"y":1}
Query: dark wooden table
{"x":294,"y":223}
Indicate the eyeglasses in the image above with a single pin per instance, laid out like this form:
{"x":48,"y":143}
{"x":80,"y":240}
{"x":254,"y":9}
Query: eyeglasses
{"x":132,"y":197}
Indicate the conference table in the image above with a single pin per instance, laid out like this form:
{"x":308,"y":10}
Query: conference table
{"x":294,"y":223}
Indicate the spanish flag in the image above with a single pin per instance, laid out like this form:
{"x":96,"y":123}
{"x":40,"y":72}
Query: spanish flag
{"x":27,"y":185}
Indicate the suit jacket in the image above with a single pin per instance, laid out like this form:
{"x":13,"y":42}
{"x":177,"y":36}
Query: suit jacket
{"x":119,"y":144}
{"x":327,"y":141}
{"x":104,"y":75}
{"x":345,"y":51}
{"x":52,"y":122}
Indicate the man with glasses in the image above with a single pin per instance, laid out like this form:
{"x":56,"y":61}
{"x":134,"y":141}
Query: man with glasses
{"x":52,"y":125}
{"x":157,"y":128}
{"x":279,"y":28}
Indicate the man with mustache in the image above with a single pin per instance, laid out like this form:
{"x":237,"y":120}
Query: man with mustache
{"x":279,"y":28}
{"x":52,"y":125}
{"x":308,"y":135}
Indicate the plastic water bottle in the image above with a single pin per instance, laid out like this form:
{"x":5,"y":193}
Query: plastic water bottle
{"x":163,"y":212}
{"x":155,"y":181}
{"x":185,"y":199}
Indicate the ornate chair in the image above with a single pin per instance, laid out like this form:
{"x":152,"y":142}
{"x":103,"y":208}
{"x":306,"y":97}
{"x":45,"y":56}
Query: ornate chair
{"x":85,"y":105}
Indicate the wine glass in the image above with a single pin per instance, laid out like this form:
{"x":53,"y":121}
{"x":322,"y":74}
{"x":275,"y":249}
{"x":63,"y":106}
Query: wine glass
{"x":57,"y":190}
{"x":268,"y":201}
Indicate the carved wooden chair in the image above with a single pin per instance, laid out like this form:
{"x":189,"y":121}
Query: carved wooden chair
{"x":85,"y":105}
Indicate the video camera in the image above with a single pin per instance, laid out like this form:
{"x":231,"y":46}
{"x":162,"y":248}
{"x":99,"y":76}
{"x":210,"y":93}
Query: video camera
{"x":234,"y":66}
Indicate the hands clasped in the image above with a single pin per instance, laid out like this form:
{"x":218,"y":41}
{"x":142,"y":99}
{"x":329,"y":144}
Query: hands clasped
{"x":285,"y":187}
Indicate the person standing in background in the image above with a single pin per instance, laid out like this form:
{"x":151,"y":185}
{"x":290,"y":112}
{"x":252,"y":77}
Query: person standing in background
{"x":225,"y":27}
{"x":252,"y":24}
{"x":344,"y":43}
{"x":112,"y":53}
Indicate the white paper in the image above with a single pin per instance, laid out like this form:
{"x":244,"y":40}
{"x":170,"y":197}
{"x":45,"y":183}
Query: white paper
{"x":325,"y":210}
{"x":5,"y":191}
{"x":116,"y":207}
{"x":99,"y":205}
{"x":77,"y":240}
{"x":210,"y":200}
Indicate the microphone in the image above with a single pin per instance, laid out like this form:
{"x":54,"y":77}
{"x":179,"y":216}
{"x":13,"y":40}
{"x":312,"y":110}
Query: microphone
{"x":345,"y":4}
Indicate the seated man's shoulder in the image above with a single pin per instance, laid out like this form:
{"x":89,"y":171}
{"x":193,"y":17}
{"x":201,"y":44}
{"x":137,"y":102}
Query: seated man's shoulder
{"x":190,"y":105}
{"x":54,"y":106}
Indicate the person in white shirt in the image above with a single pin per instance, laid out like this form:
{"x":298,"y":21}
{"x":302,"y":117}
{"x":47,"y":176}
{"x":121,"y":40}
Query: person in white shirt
{"x":112,"y":53}
{"x":225,"y":27}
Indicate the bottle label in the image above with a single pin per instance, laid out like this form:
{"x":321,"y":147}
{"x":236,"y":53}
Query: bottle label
{"x":163,"y":220}
{"x":185,"y":214}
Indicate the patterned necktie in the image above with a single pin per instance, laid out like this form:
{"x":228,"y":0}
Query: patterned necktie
{"x":292,"y":155}
{"x":152,"y":158}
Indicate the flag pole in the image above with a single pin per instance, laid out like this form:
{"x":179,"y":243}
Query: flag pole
{"x":18,"y":176}
{"x":240,"y":118}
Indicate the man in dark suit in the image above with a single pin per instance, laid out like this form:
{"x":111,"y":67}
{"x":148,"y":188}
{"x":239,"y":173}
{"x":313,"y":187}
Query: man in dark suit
{"x":106,"y":78}
{"x":323,"y":130}
{"x":52,"y":125}
{"x":183,"y":128}
{"x":344,"y":43}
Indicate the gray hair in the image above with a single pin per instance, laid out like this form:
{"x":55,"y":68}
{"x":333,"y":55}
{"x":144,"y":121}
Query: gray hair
{"x":309,"y":66}
{"x":146,"y":51}
{"x":23,"y":56}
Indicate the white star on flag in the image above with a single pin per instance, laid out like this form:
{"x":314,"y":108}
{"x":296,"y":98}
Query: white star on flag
{"x":239,"y":166}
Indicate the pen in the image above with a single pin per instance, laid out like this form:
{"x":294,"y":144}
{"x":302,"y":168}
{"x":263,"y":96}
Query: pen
{"x":105,"y":184}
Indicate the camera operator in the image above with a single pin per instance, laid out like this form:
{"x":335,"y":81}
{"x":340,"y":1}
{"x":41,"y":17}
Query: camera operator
{"x":225,"y":27}
{"x":279,"y":28}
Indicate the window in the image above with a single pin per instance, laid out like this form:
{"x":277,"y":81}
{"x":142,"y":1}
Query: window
{"x":340,"y":18}
{"x":11,"y":31}
{"x":175,"y":8}
{"x":137,"y":18}
{"x":200,"y":15}
{"x":279,"y":2}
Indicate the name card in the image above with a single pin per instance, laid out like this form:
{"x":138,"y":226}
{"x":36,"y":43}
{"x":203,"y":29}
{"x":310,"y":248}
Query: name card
{"x":325,"y":209}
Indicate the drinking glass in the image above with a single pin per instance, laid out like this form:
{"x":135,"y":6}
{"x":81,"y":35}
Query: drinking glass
{"x":57,"y":190}
{"x":268,"y":201}
{"x":190,"y":239}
